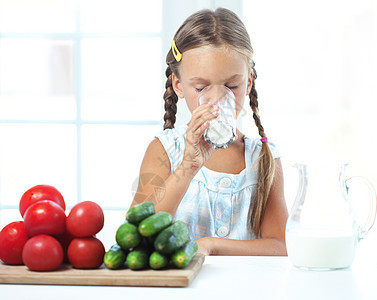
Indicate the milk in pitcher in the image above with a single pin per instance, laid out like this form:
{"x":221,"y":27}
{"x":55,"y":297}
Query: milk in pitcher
{"x":320,"y":249}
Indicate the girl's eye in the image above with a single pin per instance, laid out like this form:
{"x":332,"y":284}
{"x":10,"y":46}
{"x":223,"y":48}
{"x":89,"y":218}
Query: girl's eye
{"x":232,"y":87}
{"x":199,"y":89}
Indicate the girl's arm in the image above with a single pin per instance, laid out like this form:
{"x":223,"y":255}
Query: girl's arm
{"x":272,"y":241}
{"x":157,"y":185}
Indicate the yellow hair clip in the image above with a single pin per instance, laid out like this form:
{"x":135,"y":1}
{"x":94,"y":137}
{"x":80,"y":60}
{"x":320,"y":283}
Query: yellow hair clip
{"x":176,"y":53}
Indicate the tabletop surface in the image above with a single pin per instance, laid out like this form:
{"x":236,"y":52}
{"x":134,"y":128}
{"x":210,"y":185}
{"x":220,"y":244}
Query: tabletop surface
{"x":229,"y":277}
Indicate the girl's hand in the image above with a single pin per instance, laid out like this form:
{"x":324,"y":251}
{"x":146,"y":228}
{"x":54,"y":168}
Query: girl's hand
{"x":197,"y":150}
{"x":205,"y":245}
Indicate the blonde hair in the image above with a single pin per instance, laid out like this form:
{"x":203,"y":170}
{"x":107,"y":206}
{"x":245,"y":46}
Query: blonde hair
{"x":219,"y":28}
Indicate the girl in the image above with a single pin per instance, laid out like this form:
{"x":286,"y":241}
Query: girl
{"x":231,"y":199}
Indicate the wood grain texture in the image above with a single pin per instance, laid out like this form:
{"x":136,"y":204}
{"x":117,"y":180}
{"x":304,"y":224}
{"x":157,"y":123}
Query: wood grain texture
{"x":66,"y":275}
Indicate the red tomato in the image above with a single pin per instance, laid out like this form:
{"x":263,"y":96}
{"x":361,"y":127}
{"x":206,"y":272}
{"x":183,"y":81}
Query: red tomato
{"x":12,"y":240}
{"x":42,"y":253}
{"x":38,"y":193}
{"x":85,"y":219}
{"x":86,"y":253}
{"x":44,"y":217}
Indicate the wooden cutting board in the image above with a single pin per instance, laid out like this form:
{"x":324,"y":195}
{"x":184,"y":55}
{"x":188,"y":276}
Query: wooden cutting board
{"x":66,"y":275}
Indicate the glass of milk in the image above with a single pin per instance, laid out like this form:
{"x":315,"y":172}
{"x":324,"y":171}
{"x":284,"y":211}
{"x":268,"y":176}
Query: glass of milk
{"x":323,"y":230}
{"x":221,"y":131}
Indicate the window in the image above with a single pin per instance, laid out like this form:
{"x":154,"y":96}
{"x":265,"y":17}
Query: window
{"x":81,"y":84}
{"x":71,"y":76}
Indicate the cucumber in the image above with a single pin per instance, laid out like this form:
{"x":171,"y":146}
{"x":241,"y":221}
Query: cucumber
{"x":155,"y":223}
{"x":127,"y":236}
{"x":139,"y":212}
{"x":138,"y":258}
{"x":115,"y":257}
{"x":158,"y":260}
{"x":172,"y":238}
{"x":183,"y":256}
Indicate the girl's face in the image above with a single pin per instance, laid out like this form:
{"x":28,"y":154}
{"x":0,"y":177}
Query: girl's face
{"x":204,"y":66}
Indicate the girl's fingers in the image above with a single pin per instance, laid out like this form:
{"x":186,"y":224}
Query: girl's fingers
{"x":200,"y":121}
{"x":206,"y":117}
{"x":197,"y":134}
{"x":201,"y":107}
{"x":202,"y":128}
{"x":200,"y":117}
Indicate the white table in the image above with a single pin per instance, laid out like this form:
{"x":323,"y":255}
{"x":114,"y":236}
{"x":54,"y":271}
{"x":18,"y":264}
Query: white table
{"x":234,"y":278}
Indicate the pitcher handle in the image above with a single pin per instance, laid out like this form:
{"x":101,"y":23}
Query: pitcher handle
{"x":364,"y":228}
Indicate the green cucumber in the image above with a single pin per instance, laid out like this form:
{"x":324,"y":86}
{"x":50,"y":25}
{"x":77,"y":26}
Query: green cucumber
{"x":183,"y":256}
{"x":127,"y":236}
{"x":115,"y":257}
{"x":139,"y":212}
{"x":138,"y":258}
{"x":158,"y":260}
{"x":155,"y":223}
{"x":172,"y":238}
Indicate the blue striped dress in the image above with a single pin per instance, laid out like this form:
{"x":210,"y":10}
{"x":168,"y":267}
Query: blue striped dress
{"x":216,"y":204}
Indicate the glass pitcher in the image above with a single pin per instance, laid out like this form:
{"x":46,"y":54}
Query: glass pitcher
{"x":322,"y":230}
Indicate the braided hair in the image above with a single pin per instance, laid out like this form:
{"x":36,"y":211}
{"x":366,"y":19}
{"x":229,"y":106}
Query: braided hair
{"x":218,"y":28}
{"x":171,"y":99}
{"x":266,"y":167}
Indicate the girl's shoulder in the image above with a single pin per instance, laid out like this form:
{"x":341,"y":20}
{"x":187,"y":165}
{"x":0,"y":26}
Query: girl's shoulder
{"x":173,"y":140}
{"x":254,"y":146}
{"x":172,"y":134}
